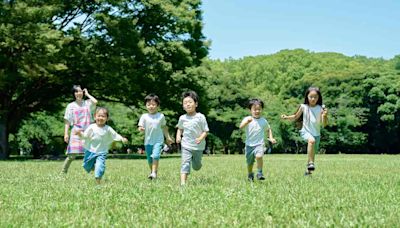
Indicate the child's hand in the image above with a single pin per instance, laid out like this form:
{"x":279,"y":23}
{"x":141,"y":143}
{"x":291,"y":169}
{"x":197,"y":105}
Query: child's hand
{"x":198,"y":140}
{"x":178,"y":139}
{"x":140,"y":128}
{"x":324,"y":112}
{"x":125,"y":140}
{"x":272,"y":140}
{"x":249,"y":119}
{"x":85,"y":92}
{"x":66,"y":138}
{"x":284,"y":117}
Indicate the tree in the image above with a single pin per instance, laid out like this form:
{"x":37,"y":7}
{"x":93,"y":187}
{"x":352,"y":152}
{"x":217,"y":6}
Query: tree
{"x":121,"y":49}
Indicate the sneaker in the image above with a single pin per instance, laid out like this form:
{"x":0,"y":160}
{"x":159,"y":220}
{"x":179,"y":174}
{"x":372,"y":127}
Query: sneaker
{"x":152,"y":176}
{"x":250,"y":177}
{"x":310,"y":166}
{"x":307,"y":173}
{"x":260,"y":176}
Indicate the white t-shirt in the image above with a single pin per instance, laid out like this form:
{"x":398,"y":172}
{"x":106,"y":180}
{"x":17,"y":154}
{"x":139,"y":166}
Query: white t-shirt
{"x":153,"y":125}
{"x":193,"y":127}
{"x":98,"y":139}
{"x":311,"y":119}
{"x":255,"y":131}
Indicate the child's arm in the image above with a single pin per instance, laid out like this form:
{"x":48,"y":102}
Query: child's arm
{"x":179,"y":135}
{"x":117,"y":137}
{"x":201,"y":137}
{"x":92,"y":99}
{"x":167,"y":136}
{"x":66,"y":129}
{"x":245,"y":122}
{"x":294,"y":116}
{"x":271,"y":137}
{"x":324,"y":116}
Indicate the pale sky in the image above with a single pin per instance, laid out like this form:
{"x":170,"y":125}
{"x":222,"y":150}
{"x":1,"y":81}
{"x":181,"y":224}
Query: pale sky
{"x":239,"y":28}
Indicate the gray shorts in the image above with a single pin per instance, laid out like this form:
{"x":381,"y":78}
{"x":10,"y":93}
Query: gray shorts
{"x":252,"y":152}
{"x":191,"y":156}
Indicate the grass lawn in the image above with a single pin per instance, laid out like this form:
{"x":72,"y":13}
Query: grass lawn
{"x":345,"y":190}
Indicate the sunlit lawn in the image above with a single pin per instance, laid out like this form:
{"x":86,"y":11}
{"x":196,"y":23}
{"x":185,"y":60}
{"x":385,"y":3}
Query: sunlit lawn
{"x":345,"y":190}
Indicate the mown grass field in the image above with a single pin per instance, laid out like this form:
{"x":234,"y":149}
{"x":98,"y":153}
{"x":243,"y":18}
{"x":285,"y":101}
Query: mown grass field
{"x":346,"y":190}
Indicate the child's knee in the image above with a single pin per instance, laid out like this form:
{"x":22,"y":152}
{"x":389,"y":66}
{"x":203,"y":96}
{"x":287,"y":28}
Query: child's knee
{"x":311,"y":141}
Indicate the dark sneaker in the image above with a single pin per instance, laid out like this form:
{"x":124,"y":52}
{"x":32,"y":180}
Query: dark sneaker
{"x":260,"y":176}
{"x":310,"y":166}
{"x":250,"y":177}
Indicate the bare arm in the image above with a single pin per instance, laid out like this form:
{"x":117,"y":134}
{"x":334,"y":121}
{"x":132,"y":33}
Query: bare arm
{"x":179,"y":135}
{"x":66,"y":129}
{"x":245,"y":122}
{"x":324,"y":117}
{"x":167,"y":135}
{"x":201,"y":137}
{"x":94,"y":100}
{"x":271,"y":137}
{"x":294,"y":116}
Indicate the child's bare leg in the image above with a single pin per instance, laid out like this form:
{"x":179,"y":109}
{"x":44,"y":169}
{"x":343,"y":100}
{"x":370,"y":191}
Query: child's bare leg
{"x":310,"y":150}
{"x":260,"y":163}
{"x":184,"y":177}
{"x":154,"y":167}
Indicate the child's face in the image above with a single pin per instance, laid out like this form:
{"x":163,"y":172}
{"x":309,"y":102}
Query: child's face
{"x":312,"y":98}
{"x":101,"y":118}
{"x":152,"y":106}
{"x":256,"y":111}
{"x":189,"y":105}
{"x":78,"y":94}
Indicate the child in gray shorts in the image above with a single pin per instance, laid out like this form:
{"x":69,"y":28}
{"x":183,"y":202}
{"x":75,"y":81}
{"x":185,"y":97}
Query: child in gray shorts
{"x":191,"y":134}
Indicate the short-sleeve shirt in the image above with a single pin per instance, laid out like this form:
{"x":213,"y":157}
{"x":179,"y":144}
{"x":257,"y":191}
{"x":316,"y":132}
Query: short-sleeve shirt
{"x":193,"y":127}
{"x":311,"y":119}
{"x":79,"y":115}
{"x":255,"y":131}
{"x":153,"y":125}
{"x":98,"y":139}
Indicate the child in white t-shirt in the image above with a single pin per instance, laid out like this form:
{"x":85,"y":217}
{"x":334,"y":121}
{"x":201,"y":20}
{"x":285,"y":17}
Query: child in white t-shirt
{"x":312,"y":113}
{"x":97,"y":140}
{"x":154,"y":125}
{"x":191,"y":133}
{"x":255,"y":126}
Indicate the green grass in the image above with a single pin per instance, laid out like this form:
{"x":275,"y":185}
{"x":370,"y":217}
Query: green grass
{"x":346,"y":190}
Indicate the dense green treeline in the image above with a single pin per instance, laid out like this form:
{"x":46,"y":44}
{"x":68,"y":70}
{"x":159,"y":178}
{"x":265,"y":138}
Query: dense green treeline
{"x":362,"y":95}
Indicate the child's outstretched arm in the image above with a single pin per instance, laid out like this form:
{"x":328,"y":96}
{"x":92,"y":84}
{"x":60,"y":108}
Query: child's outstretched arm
{"x":245,"y":121}
{"x":201,"y":137}
{"x":294,"y":116}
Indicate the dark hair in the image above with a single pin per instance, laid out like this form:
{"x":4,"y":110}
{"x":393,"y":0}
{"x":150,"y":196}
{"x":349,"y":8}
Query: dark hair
{"x":98,"y":109}
{"x":75,"y":88}
{"x":191,"y":94}
{"x":255,"y":101}
{"x":316,"y":89}
{"x":152,"y":97}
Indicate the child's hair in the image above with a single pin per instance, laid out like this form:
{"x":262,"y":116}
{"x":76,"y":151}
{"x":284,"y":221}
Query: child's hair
{"x":105,"y":110}
{"x":255,"y":101}
{"x":152,"y":97}
{"x":299,"y":121}
{"x":316,"y":89}
{"x":191,"y":94}
{"x":75,"y":88}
